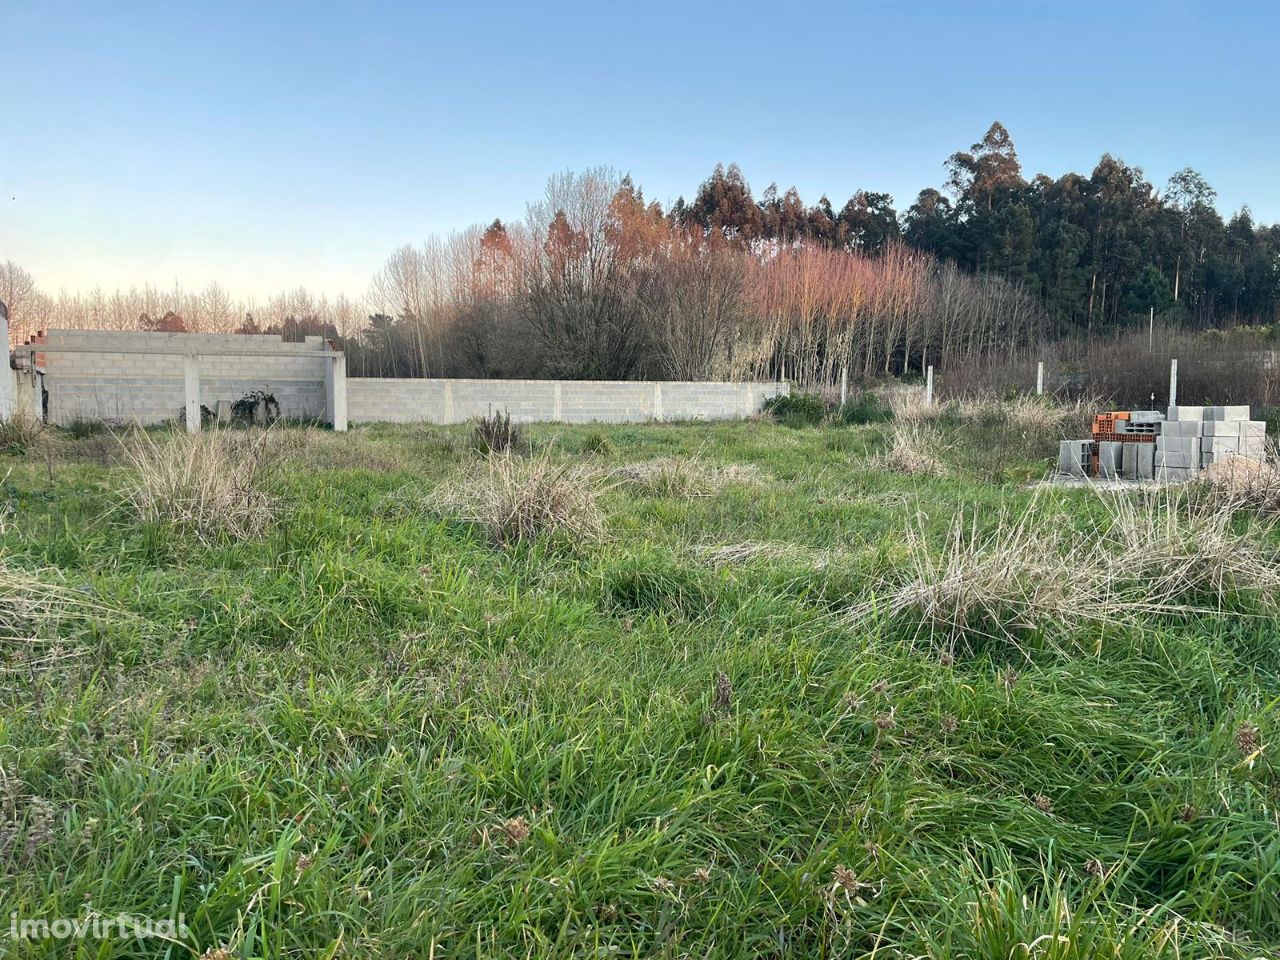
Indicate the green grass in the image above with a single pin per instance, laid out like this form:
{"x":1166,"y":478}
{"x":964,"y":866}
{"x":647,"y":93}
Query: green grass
{"x":369,"y":732}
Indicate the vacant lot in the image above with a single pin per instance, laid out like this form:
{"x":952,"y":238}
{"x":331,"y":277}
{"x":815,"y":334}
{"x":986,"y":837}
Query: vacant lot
{"x":737,"y":690}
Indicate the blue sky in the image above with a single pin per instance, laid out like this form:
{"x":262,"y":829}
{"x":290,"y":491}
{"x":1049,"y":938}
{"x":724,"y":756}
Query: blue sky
{"x":270,"y":145}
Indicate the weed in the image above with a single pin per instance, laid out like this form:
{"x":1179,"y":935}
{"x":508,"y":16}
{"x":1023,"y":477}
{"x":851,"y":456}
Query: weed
{"x":496,"y":433}
{"x":20,"y":432}
{"x":914,"y":450}
{"x":519,"y":500}
{"x":216,"y":484}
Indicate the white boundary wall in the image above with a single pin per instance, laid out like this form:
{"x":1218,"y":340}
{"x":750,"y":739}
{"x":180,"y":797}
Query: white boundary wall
{"x":372,"y":400}
{"x":135,"y":376}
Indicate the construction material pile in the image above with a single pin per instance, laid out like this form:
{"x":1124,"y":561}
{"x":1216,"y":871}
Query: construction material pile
{"x":1143,"y":445}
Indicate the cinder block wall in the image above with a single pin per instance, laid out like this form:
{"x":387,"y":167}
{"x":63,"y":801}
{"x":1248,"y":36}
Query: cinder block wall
{"x":371,"y":400}
{"x":148,"y":388}
{"x":124,"y":385}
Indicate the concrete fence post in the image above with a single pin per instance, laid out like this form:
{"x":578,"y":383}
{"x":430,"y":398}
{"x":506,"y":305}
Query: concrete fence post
{"x":1173,"y":383}
{"x":844,"y":385}
{"x":336,"y":392}
{"x":191,"y":388}
{"x":928,"y":386}
{"x":557,"y":403}
{"x":1040,"y":379}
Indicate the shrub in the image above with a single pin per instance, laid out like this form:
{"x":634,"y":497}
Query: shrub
{"x":519,"y":500}
{"x":796,"y":409}
{"x":214,"y":485}
{"x":597,"y":443}
{"x":80,"y":429}
{"x":867,"y":407}
{"x":496,"y":434}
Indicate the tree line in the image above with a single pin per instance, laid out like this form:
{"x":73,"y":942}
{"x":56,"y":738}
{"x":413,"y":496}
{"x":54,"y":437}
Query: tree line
{"x":599,"y":282}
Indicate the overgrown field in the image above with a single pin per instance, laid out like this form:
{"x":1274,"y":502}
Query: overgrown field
{"x":660,"y":691}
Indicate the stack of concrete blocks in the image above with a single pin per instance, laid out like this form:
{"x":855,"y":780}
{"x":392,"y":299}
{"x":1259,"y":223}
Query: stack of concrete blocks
{"x":1195,"y":437}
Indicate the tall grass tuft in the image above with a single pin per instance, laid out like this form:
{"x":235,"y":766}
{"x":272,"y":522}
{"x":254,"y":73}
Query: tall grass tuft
{"x":1154,"y":554}
{"x":913,"y":450}
{"x":20,"y":432}
{"x":518,"y":500}
{"x":216,"y":485}
{"x":686,"y":476}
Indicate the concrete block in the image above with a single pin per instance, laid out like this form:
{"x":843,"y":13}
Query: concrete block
{"x":1255,"y":448}
{"x":1182,"y":428}
{"x":1140,"y":428}
{"x":1189,"y":460}
{"x":1230,"y":413}
{"x":1186,"y":413}
{"x":1253,"y":428}
{"x":1219,"y":444}
{"x":1223,"y":428}
{"x":1138,"y":461}
{"x":1146,"y":416}
{"x":1110,"y":453}
{"x":1073,"y":457}
{"x":1177,"y":444}
{"x":1175,"y":474}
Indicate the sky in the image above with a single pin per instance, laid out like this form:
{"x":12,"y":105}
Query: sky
{"x":273,"y":145}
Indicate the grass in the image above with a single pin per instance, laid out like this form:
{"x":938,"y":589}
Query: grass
{"x":697,"y":726}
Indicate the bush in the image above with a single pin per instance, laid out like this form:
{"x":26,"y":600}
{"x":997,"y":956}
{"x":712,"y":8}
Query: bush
{"x":497,"y":434}
{"x":867,"y":407}
{"x":796,"y":409}
{"x":519,"y":500}
{"x":214,"y":485}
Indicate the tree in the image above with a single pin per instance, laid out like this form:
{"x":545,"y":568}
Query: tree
{"x":17,"y":291}
{"x":724,"y":204}
{"x":868,"y":222}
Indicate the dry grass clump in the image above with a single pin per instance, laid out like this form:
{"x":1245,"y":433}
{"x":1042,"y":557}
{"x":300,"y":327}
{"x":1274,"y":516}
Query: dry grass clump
{"x":990,"y":582}
{"x":517,"y":500}
{"x":912,"y":450}
{"x":35,"y":607}
{"x":21,"y":431}
{"x":910,"y":406}
{"x":720,"y":555}
{"x":687,"y":476}
{"x":215,"y":485}
{"x":1043,"y":415}
{"x":1146,"y":555}
{"x":1182,"y":549}
{"x":1243,"y":482}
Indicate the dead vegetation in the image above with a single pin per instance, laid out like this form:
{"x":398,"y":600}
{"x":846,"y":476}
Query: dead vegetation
{"x":1247,"y":483}
{"x":216,"y":485}
{"x":687,"y":477}
{"x":39,"y":618}
{"x":516,"y":500}
{"x":1155,"y":553}
{"x":913,"y":450}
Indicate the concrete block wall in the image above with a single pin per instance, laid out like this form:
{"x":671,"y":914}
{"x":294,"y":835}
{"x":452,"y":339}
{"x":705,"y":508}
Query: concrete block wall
{"x":371,"y":400}
{"x":116,"y":383}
